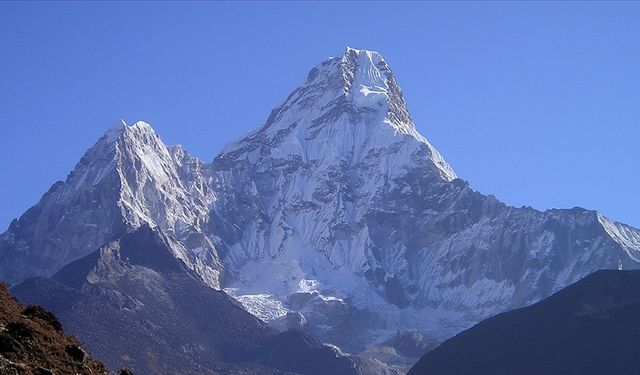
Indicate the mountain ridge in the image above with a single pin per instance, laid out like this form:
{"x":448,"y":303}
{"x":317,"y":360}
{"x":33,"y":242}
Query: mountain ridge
{"x":335,"y":210}
{"x":129,"y":177}
{"x":589,"y":327}
{"x":136,"y":305}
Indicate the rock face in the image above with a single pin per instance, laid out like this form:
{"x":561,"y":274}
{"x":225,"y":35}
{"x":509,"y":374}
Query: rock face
{"x":590,"y":327}
{"x":336,"y":216}
{"x":136,"y":305}
{"x":127,"y":179}
{"x":32,"y":342}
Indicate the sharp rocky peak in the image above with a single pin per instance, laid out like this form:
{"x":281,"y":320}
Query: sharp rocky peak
{"x":121,"y":129}
{"x":366,"y":82}
{"x":357,"y":82}
{"x":348,"y":109}
{"x":128,"y":179}
{"x":123,"y":140}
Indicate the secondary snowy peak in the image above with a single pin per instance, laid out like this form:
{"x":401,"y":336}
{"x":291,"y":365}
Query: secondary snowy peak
{"x":348,"y":110}
{"x":133,"y":160}
{"x":628,"y":237}
{"x":127,"y":179}
{"x":108,"y":154}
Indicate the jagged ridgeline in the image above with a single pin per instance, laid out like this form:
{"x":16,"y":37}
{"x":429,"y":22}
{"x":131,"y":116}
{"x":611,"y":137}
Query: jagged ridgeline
{"x":336,"y":216}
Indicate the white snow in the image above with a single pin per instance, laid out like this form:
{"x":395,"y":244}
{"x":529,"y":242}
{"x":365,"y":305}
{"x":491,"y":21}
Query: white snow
{"x":626,"y":236}
{"x":327,"y":144}
{"x":264,"y":306}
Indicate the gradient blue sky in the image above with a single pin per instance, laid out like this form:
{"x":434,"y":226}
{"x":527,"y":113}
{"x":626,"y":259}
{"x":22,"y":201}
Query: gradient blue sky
{"x":536,"y":103}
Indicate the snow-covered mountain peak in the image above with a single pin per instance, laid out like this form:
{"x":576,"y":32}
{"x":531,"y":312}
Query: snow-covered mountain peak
{"x":368,"y":69}
{"x":349,"y":108}
{"x":127,"y":179}
{"x":362,"y":77}
{"x":141,"y":126}
{"x":122,"y":147}
{"x":139,"y":130}
{"x":115,"y":130}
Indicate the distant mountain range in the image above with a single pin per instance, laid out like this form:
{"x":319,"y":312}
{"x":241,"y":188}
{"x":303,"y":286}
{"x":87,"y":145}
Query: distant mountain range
{"x":335,"y":217}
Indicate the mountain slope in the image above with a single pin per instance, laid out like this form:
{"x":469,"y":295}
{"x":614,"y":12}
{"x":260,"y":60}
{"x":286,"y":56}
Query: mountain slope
{"x":32,"y":342}
{"x":590,"y":327}
{"x":127,"y":179}
{"x":136,"y":305}
{"x":337,"y":196}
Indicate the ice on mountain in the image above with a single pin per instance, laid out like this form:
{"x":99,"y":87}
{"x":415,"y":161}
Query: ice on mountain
{"x":337,"y":200}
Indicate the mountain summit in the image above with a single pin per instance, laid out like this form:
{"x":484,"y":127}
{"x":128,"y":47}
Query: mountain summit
{"x":348,"y":109}
{"x":127,"y":179}
{"x":335,"y":216}
{"x":337,"y":200}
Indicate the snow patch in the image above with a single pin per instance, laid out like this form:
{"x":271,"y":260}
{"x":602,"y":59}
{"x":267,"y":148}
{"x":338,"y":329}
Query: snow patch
{"x":263,"y":306}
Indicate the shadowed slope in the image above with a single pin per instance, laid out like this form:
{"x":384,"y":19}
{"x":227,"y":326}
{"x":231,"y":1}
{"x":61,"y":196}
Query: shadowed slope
{"x":32,"y":342}
{"x":590,"y":327}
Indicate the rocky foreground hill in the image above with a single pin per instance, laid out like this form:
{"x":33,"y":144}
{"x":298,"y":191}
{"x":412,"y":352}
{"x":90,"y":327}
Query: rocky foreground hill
{"x":32,"y":342}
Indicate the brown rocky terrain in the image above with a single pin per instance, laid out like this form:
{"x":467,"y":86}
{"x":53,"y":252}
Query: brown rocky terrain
{"x":32,"y":342}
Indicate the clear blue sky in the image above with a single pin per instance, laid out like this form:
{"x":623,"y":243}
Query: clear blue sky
{"x":537,"y":103}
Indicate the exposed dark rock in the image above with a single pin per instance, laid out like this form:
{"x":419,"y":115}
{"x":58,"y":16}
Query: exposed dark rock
{"x":76,"y":353}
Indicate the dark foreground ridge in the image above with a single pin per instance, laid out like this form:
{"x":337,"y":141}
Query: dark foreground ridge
{"x":590,"y":327}
{"x":32,"y":342}
{"x":137,"y":306}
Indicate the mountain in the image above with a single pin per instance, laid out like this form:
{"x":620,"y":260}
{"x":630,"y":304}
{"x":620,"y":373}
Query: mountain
{"x":127,"y":179}
{"x":335,"y":217}
{"x":590,"y":327}
{"x":32,"y":342}
{"x":136,"y":305}
{"x":338,"y":208}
